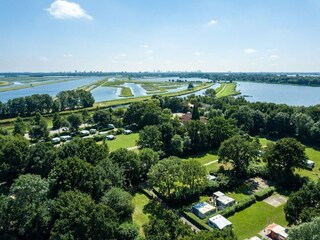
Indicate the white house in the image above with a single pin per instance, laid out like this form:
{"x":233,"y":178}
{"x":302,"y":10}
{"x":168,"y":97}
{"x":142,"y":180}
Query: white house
{"x":203,"y":209}
{"x":219,"y":222}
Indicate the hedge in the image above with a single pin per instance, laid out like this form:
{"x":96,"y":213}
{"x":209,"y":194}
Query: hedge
{"x":241,"y":205}
{"x":264,"y":193}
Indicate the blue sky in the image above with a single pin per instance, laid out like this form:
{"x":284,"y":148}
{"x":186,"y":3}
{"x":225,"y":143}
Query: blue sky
{"x":166,"y":35}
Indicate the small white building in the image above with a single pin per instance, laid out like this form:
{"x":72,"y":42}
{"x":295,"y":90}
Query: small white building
{"x":203,"y":209}
{"x":219,"y":222}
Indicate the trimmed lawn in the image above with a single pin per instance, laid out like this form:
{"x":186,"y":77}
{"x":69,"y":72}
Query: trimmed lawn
{"x":123,"y":141}
{"x":207,"y":159}
{"x":139,"y":217}
{"x":254,"y":219}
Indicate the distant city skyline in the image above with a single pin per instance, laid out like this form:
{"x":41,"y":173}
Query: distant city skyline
{"x":176,"y":35}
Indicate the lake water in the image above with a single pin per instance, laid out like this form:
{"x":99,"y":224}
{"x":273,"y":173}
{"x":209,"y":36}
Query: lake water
{"x":51,"y":89}
{"x":166,"y":79}
{"x":279,"y":93}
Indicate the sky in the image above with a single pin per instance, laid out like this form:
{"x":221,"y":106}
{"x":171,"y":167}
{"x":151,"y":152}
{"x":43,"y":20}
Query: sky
{"x":165,"y":35}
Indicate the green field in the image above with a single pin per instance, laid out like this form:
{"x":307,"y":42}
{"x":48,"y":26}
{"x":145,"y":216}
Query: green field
{"x":126,"y":92}
{"x":123,"y":141}
{"x":227,"y":89}
{"x":2,"y":83}
{"x":254,"y":219}
{"x":139,"y":217}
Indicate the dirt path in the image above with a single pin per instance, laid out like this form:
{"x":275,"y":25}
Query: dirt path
{"x":206,"y":164}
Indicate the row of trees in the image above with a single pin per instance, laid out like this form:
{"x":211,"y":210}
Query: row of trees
{"x":44,"y":103}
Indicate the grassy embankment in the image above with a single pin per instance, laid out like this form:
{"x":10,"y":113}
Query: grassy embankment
{"x":227,"y":89}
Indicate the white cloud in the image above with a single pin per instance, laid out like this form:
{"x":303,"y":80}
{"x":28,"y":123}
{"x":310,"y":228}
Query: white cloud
{"x":43,"y":59}
{"x":63,"y":9}
{"x":149,"y":51}
{"x":274,"y":57}
{"x":145,"y":46}
{"x":249,"y":50}
{"x":123,"y":55}
{"x":199,"y":53}
{"x":212,"y":22}
{"x":67,"y":55}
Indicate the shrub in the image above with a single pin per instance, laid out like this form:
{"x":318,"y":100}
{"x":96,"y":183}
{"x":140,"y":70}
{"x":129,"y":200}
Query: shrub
{"x":99,"y":138}
{"x":264,"y":193}
{"x":241,"y":205}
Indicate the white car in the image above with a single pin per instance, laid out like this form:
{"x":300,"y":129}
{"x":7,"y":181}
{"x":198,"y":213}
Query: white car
{"x":55,"y":140}
{"x":110,"y":137}
{"x":126,"y":132}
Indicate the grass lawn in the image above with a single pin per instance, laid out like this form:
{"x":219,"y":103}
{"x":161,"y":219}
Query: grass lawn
{"x":254,"y":219}
{"x":140,"y":200}
{"x":123,"y":141}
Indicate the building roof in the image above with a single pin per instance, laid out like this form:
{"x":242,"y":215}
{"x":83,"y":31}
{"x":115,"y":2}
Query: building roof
{"x":204,"y":207}
{"x":278,"y":230}
{"x":225,"y":199}
{"x":218,"y":194}
{"x":220,"y":222}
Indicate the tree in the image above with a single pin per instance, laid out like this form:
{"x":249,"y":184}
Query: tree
{"x":28,"y":208}
{"x":86,"y":149}
{"x":40,"y":128}
{"x":128,"y":231}
{"x":303,"y":124}
{"x":283,"y":125}
{"x":150,"y":137}
{"x":244,"y":117}
{"x":193,"y":176}
{"x":19,"y":127}
{"x":315,"y":132}
{"x":219,"y":130}
{"x":195,"y":112}
{"x":148,"y":158}
{"x":129,"y":161}
{"x":165,"y":174}
{"x":71,"y":174}
{"x":102,"y":118}
{"x":284,"y":156}
{"x":190,"y":86}
{"x":240,"y":151}
{"x":198,"y":134}
{"x":56,"y":121}
{"x":75,"y":121}
{"x":306,"y":231}
{"x":13,"y":157}
{"x":225,"y":234}
{"x":164,"y":224}
{"x":177,"y":145}
{"x":302,"y":205}
{"x":120,"y":201}
{"x":41,"y":158}
{"x":78,"y":217}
